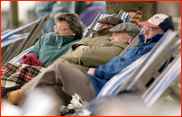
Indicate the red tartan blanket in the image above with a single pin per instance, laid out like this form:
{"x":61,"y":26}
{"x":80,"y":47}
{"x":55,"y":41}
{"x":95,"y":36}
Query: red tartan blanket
{"x":14,"y":75}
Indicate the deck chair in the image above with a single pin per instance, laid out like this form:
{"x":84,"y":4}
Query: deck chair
{"x":123,"y":15}
{"x":12,"y":50}
{"x":94,"y":25}
{"x":166,"y":84}
{"x":126,"y":78}
{"x":151,"y":71}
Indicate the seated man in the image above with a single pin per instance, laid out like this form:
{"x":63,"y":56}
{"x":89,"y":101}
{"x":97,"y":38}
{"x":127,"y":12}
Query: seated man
{"x":61,"y":81}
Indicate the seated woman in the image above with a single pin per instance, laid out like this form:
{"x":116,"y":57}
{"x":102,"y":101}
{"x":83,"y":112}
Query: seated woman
{"x":48,"y":48}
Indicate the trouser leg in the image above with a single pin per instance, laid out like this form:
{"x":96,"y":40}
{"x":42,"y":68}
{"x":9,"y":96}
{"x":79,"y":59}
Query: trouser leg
{"x":64,"y":77}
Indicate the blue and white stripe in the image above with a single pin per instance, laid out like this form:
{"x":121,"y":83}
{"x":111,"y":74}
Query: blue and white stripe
{"x":13,"y":39}
{"x":10,"y":33}
{"x":17,"y":59}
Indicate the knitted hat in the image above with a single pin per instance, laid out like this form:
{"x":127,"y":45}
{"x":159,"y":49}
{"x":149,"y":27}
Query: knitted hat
{"x":126,"y":27}
{"x":111,"y":20}
{"x":159,"y":21}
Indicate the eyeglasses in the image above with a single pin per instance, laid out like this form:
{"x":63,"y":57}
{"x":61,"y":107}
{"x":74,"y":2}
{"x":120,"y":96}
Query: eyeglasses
{"x":60,"y":29}
{"x":149,"y":29}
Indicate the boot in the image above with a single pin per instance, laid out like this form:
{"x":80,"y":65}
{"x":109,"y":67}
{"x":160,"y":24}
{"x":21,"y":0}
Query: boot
{"x":15,"y":97}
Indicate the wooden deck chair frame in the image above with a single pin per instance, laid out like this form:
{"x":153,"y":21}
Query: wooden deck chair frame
{"x":166,"y":84}
{"x":113,"y":88}
{"x":31,"y":39}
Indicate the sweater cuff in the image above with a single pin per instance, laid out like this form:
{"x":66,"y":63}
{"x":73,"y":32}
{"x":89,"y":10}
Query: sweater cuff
{"x":96,"y":72}
{"x":75,"y":45}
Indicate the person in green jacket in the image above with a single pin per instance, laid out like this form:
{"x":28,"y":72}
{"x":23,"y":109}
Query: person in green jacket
{"x":68,"y":30}
{"x":48,"y":48}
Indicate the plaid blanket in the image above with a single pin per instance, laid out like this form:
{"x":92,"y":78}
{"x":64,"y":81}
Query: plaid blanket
{"x":15,"y":75}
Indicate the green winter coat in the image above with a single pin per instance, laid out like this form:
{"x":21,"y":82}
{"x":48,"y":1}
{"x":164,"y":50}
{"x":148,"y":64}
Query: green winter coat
{"x":51,"y":46}
{"x":98,"y":51}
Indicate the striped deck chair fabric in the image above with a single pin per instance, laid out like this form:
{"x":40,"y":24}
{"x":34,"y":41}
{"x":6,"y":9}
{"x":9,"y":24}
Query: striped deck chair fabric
{"x":94,"y":24}
{"x":123,"y":80}
{"x":17,"y":59}
{"x":12,"y":32}
{"x":6,"y":31}
{"x":124,"y":16}
{"x":162,"y":88}
{"x":13,"y":39}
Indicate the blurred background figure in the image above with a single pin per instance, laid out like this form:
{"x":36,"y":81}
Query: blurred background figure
{"x":51,"y":8}
{"x":127,"y":103}
{"x":33,"y":106}
{"x":91,"y":11}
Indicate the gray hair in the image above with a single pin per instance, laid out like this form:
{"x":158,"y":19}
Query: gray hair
{"x":73,"y":22}
{"x":129,"y":36}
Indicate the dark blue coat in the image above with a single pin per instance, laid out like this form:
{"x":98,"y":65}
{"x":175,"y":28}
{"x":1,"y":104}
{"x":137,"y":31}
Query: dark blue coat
{"x":104,"y":72}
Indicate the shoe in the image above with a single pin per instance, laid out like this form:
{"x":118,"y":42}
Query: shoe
{"x":14,"y":97}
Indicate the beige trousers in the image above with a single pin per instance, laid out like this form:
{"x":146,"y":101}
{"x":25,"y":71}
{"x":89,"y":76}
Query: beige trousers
{"x":65,"y":81}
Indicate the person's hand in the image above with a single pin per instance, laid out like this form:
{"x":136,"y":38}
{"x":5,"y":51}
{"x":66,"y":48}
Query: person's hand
{"x":91,"y":71}
{"x":81,"y":47}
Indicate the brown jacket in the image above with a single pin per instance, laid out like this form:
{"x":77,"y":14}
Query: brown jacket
{"x":98,"y":51}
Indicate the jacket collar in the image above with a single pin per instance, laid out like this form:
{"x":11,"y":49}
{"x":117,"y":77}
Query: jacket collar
{"x":155,"y":38}
{"x":101,"y":32}
{"x":67,"y":39}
